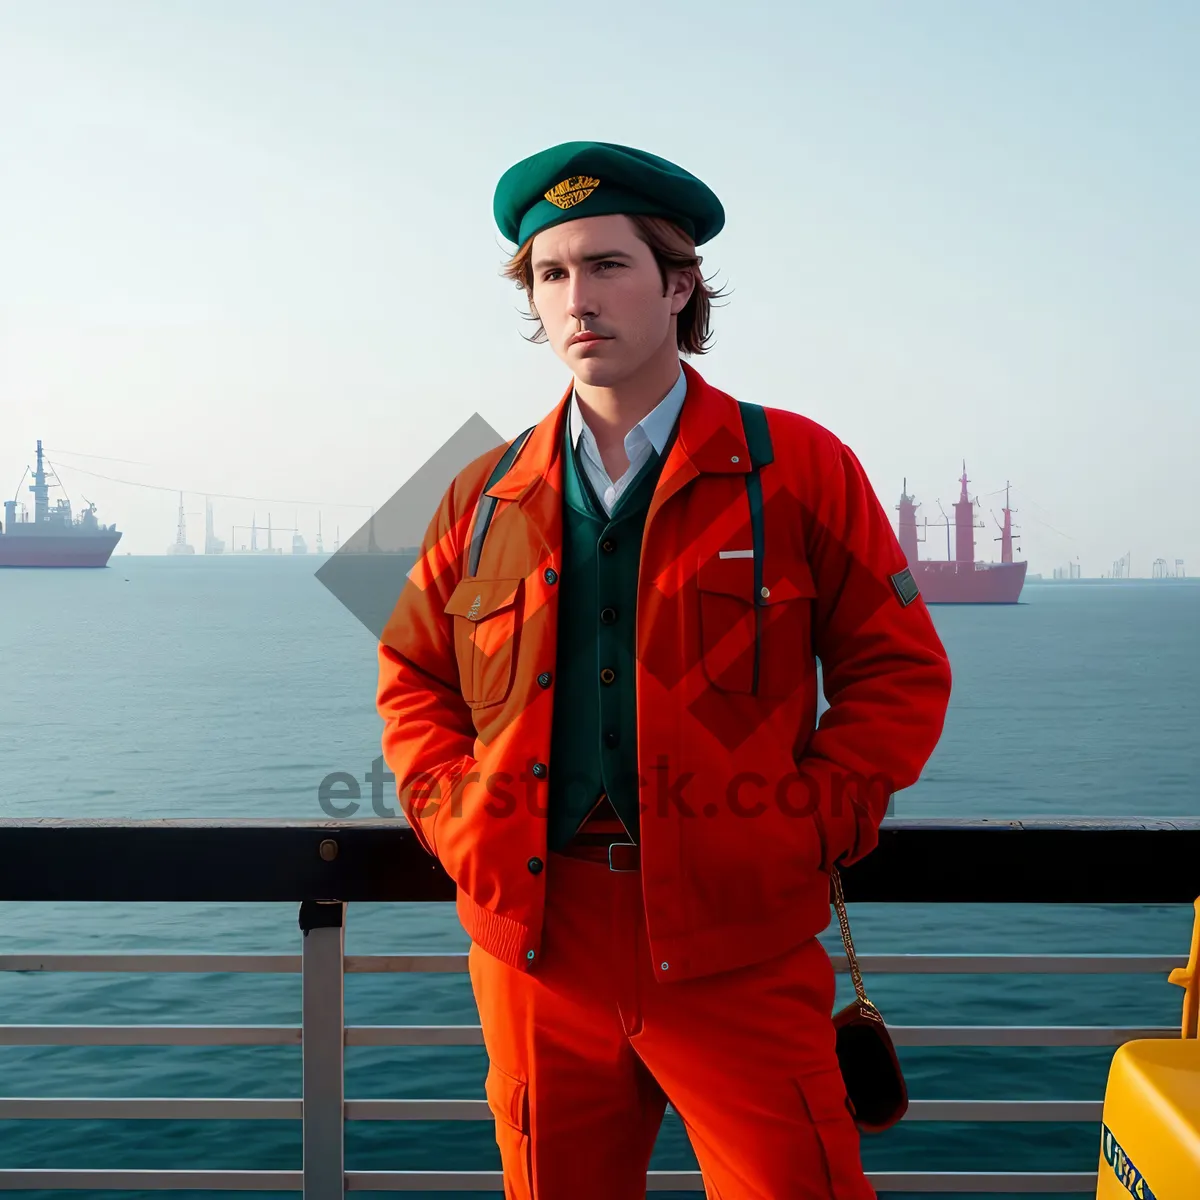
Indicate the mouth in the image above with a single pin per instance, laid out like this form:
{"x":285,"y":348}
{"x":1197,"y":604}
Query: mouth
{"x":586,"y":337}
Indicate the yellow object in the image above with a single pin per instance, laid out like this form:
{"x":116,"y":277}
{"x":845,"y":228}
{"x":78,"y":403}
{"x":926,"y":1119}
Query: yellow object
{"x":1188,"y":978}
{"x":1150,"y":1139}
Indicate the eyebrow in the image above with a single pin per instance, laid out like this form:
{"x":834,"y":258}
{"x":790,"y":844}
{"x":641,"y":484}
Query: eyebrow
{"x":543,"y":263}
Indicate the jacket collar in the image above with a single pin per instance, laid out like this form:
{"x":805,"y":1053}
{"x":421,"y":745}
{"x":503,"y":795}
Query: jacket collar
{"x":710,"y":441}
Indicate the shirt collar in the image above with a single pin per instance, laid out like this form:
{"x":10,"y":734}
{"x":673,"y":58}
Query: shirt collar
{"x":655,"y":426}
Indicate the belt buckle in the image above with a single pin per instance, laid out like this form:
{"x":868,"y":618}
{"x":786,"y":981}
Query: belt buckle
{"x":611,"y":847}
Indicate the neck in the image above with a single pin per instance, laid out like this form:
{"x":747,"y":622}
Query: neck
{"x":611,"y":412}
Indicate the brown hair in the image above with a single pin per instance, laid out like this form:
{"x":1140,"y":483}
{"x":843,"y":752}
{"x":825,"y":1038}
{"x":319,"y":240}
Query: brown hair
{"x":673,"y":251}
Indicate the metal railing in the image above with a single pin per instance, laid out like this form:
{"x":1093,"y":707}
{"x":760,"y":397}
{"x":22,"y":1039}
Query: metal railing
{"x":359,"y":861}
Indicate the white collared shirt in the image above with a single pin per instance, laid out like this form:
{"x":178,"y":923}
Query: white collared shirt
{"x":648,"y":435}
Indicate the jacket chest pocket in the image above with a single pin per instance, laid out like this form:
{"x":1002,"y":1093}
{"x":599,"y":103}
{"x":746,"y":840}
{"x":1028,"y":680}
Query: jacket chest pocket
{"x":487,"y":625}
{"x":755,"y":641}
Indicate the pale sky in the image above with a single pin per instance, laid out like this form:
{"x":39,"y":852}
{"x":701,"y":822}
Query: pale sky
{"x":249,"y":245}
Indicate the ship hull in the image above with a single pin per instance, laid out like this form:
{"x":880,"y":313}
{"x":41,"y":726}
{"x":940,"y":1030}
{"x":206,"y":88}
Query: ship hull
{"x":969,"y":583}
{"x":57,"y":550}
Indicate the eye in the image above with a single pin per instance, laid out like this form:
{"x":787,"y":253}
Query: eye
{"x":611,"y":263}
{"x":551,"y":274}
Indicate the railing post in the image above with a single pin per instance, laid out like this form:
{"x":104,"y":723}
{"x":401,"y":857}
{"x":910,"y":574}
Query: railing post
{"x":323,"y":1038}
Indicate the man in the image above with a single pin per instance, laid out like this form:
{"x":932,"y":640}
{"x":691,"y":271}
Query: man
{"x":599,"y":694}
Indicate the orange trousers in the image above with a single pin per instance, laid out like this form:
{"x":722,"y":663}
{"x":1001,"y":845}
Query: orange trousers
{"x":586,"y":1051}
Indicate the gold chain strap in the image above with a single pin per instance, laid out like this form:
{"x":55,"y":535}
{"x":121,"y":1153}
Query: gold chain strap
{"x":839,"y":903}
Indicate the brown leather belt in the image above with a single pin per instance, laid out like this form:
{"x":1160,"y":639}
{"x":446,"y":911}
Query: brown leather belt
{"x":614,"y":849}
{"x":603,"y":839}
{"x":620,"y":856}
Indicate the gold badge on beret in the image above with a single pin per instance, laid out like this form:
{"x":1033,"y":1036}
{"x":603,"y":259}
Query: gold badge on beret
{"x":572,"y":191}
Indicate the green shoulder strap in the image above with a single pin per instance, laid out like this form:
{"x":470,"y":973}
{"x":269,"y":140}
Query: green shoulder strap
{"x":487,"y":504}
{"x":758,"y":441}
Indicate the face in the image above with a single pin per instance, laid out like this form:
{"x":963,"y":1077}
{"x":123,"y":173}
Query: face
{"x":599,"y":294}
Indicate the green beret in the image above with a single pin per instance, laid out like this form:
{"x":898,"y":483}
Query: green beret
{"x":592,"y":179}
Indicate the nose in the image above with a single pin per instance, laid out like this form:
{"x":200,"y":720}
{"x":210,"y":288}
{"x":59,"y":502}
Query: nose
{"x":582,"y":304}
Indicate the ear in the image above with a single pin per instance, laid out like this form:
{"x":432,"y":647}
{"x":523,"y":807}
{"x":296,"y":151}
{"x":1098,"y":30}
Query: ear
{"x":680,"y":286}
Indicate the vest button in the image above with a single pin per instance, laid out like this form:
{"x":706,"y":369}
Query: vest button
{"x":608,"y":545}
{"x":539,"y":770}
{"x":608,"y":615}
{"x":611,"y":738}
{"x":544,"y":679}
{"x":550,"y":575}
{"x":607,"y":675}
{"x":535,"y":866}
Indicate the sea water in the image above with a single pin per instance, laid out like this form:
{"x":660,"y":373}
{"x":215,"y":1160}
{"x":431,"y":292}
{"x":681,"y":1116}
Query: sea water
{"x":223,"y":687}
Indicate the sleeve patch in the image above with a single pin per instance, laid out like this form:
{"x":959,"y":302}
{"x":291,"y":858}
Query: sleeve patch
{"x":906,"y":587}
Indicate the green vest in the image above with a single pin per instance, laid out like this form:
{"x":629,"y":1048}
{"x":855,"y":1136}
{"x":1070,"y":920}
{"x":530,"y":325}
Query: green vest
{"x":593,"y":741}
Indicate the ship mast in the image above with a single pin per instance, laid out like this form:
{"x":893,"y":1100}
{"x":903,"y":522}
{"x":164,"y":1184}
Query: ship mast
{"x":908,"y":524}
{"x":181,"y":531}
{"x":41,"y":493}
{"x":1006,"y":532}
{"x":964,"y":524}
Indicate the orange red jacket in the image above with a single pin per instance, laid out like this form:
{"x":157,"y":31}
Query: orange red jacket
{"x":745,"y":802}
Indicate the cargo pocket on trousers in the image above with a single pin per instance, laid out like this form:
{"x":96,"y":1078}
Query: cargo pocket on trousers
{"x":824,"y":1095}
{"x":508,"y":1098}
{"x":487,"y":622}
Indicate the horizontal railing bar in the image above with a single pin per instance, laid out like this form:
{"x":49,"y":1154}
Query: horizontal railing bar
{"x":52,"y":1108}
{"x":902,"y":1035}
{"x":977,"y":1182}
{"x":470,"y":1035}
{"x":1060,"y":1111}
{"x":37,"y":1178}
{"x":122,"y":1108}
{"x":414,"y":1035}
{"x":983,"y":1182}
{"x":262,"y":964}
{"x":149,"y":1035}
{"x":1025,"y":1035}
{"x":1012,"y":964}
{"x":369,"y":964}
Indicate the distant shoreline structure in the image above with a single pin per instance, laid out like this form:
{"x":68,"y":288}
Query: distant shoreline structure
{"x":1123,"y":580}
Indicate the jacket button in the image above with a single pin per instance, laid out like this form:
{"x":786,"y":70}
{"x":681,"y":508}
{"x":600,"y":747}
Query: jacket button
{"x":535,"y":866}
{"x":550,"y":575}
{"x":608,"y":545}
{"x":611,"y":738}
{"x":608,"y":615}
{"x":539,"y":770}
{"x":607,"y":675}
{"x":544,"y":679}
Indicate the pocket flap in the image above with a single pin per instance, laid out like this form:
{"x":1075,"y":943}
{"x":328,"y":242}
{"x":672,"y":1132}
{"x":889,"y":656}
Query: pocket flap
{"x":784,"y":578}
{"x":506,"y":1098}
{"x":728,"y":576}
{"x":787,"y":579}
{"x":479,"y":598}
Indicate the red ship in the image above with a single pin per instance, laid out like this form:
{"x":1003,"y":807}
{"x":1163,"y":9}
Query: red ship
{"x":960,"y":579}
